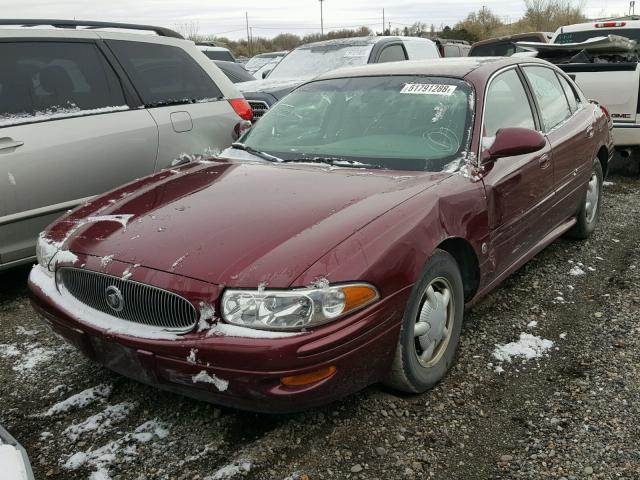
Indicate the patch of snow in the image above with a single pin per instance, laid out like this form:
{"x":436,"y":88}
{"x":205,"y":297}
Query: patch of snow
{"x":80,"y":400}
{"x":527,"y":347}
{"x":12,"y":179}
{"x":591,"y":269}
{"x":45,"y":436}
{"x":532,"y":324}
{"x":20,"y":330}
{"x":615,"y":240}
{"x":12,"y":463}
{"x":207,"y":315}
{"x":57,"y":389}
{"x":121,"y":450}
{"x":204,"y":377}
{"x":55,"y":113}
{"x":234,"y":470}
{"x":262,"y":286}
{"x":576,"y":271}
{"x":7,"y":351}
{"x":106,"y":260}
{"x":192,"y":358}
{"x":65,"y":256}
{"x":34,"y":357}
{"x":100,"y":422}
{"x":320,"y":282}
{"x":607,"y":184}
{"x":175,"y":264}
{"x":563,"y":335}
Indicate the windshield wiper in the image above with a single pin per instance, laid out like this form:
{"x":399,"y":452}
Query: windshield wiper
{"x":256,"y":153}
{"x":333,"y":161}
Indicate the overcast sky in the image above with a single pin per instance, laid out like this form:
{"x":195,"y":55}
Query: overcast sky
{"x":270,"y":17}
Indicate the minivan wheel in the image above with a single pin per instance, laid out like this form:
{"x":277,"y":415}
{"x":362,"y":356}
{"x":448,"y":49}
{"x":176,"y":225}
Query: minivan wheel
{"x":589,"y":212}
{"x":431,"y":327}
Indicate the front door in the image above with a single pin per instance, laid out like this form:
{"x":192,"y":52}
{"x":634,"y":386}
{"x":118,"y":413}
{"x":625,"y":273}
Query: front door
{"x":518,"y":188}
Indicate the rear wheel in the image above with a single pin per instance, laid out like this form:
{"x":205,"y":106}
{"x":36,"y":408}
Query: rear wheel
{"x":589,"y":212}
{"x":430,"y":328}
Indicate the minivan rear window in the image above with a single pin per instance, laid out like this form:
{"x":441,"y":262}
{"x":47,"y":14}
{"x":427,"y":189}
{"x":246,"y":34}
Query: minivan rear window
{"x":163,"y":74}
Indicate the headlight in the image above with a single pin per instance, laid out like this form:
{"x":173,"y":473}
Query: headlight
{"x":45,"y":251}
{"x":294,"y":309}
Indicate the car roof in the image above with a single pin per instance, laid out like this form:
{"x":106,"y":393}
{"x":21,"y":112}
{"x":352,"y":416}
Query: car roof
{"x":360,"y":41}
{"x":580,"y":27}
{"x":458,"y":67}
{"x":541,"y":35}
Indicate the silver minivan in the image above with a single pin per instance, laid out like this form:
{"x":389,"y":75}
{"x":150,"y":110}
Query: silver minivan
{"x":86,"y":107}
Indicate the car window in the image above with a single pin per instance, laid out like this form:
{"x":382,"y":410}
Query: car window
{"x":420,"y":50}
{"x":498,"y":49}
{"x":396,"y":122}
{"x":49,"y":79}
{"x":507,"y":105}
{"x":571,"y":94}
{"x":219,"y":55}
{"x":550,"y":96}
{"x":163,"y":74}
{"x":451,"y":50}
{"x":392,"y":53}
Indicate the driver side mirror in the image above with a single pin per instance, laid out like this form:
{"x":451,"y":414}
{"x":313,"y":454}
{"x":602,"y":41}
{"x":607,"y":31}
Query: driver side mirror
{"x":266,"y":73}
{"x":511,"y":142}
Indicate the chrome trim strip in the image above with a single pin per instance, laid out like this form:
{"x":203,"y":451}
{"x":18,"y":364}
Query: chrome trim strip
{"x":39,"y":212}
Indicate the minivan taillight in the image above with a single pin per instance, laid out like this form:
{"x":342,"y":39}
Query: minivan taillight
{"x":242,"y":108}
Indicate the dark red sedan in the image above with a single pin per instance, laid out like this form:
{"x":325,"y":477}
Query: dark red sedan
{"x":339,"y":242}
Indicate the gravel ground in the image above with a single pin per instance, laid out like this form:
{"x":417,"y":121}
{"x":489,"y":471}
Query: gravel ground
{"x":571,"y":414}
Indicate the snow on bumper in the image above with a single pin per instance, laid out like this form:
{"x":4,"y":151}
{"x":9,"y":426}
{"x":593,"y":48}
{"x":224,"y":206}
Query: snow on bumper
{"x":14,"y":461}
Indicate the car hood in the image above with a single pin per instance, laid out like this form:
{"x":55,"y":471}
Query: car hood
{"x":238,"y":223}
{"x":278,"y":87}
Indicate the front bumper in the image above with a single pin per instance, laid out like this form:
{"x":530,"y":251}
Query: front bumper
{"x":361,"y":347}
{"x":14,"y":460}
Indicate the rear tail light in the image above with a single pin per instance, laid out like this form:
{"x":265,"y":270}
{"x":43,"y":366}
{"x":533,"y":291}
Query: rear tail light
{"x":610,"y":24}
{"x":242,"y":108}
{"x":605,"y":111}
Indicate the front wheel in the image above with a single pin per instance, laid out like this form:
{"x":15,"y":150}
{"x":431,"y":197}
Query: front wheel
{"x":431,"y":327}
{"x":589,"y":212}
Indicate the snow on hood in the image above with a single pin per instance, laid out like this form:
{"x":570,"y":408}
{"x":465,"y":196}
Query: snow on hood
{"x":242,"y":223}
{"x":268,"y":85}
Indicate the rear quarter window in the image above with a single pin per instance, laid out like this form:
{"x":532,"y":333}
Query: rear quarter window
{"x":164,"y":74}
{"x":421,"y":50}
{"x":44,"y":79}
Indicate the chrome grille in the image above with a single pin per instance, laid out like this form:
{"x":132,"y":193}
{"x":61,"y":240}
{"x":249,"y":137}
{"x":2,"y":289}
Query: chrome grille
{"x":259,"y":108}
{"x":142,"y":304}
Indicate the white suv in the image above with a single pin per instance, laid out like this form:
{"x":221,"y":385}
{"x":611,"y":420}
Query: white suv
{"x":86,"y":107}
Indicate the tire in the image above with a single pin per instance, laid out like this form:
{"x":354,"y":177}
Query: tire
{"x":587,"y":217}
{"x":408,"y":372}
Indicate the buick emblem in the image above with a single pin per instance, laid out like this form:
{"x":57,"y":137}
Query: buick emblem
{"x":114,"y":298}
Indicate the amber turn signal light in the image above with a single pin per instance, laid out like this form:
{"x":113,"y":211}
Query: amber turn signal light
{"x":357,"y":296}
{"x":308,"y":378}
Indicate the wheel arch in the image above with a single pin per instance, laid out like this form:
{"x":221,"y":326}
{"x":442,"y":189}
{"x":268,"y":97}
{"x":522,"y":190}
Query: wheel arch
{"x":468,"y":263}
{"x":603,"y":156}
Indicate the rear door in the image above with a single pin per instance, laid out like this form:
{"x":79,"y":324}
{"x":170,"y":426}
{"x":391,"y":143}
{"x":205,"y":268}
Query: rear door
{"x":66,"y":134}
{"x":569,"y":128}
{"x":190,"y":110}
{"x":520,"y":188}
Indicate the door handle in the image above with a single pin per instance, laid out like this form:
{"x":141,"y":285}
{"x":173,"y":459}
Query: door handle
{"x":7,"y":143}
{"x":544,"y":161}
{"x":589,"y":131}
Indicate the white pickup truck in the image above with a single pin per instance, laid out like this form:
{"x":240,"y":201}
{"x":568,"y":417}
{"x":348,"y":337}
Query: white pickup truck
{"x":604,"y":60}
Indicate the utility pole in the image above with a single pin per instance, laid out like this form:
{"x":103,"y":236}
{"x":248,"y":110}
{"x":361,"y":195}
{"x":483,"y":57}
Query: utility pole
{"x":321,"y":19}
{"x":383,"y":21}
{"x":248,"y":34}
{"x":632,"y":8}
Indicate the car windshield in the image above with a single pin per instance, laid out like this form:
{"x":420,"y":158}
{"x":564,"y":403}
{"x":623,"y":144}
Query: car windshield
{"x":396,"y":122}
{"x":584,"y":35}
{"x":314,"y":60}
{"x":259,"y":61}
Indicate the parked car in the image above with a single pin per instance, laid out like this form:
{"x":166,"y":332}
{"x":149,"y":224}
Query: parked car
{"x":216,"y":52}
{"x":377,"y":203}
{"x":506,"y":46}
{"x":263,"y":60}
{"x":234,"y":71}
{"x":452,"y":48}
{"x":83,"y":111}
{"x":13,"y":459}
{"x":310,"y":60}
{"x":603,"y":59}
